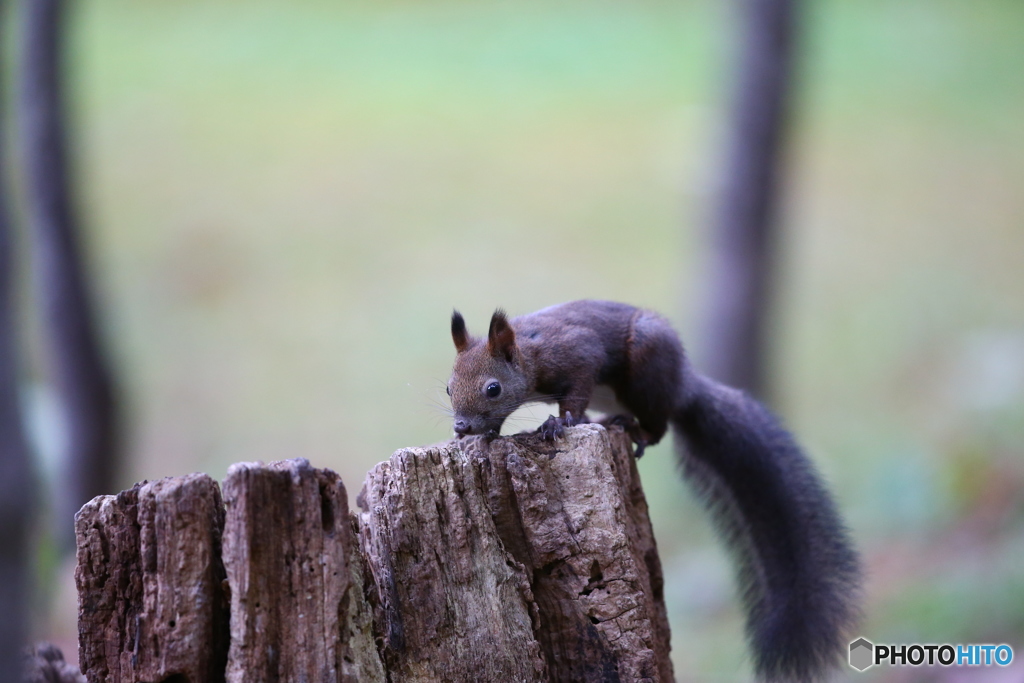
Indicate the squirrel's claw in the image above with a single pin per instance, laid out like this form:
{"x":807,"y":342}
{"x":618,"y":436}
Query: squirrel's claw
{"x":552,"y":427}
{"x":555,"y":426}
{"x":571,"y":420}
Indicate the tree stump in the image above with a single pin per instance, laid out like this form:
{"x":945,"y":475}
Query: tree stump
{"x":514,"y":560}
{"x":151,"y":602}
{"x":289,"y":549}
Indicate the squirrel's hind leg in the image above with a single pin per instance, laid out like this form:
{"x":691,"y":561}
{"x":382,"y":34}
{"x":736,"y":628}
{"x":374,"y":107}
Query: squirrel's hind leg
{"x":632,"y":427}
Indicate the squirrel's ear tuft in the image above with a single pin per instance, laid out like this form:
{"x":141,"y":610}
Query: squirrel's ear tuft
{"x":501,"y":340}
{"x":459,"y":334}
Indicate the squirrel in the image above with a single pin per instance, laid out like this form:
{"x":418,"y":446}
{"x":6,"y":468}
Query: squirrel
{"x":798,"y":570}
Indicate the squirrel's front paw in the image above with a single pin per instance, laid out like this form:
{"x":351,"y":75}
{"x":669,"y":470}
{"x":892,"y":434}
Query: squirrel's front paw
{"x":555,"y":426}
{"x":551,"y":428}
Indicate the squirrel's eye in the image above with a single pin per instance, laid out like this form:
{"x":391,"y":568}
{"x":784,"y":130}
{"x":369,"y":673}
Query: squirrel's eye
{"x":449,"y":390}
{"x":493,"y":389}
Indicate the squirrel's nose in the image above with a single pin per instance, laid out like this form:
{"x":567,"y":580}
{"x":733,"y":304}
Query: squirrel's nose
{"x":462,"y":427}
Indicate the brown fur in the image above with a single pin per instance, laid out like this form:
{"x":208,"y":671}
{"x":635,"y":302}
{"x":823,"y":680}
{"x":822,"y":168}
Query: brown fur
{"x":558,"y":355}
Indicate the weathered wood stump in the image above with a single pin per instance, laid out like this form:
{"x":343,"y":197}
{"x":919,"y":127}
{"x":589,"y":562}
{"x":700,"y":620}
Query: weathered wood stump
{"x":151,"y":601}
{"x":517,"y":560}
{"x":294,"y":571}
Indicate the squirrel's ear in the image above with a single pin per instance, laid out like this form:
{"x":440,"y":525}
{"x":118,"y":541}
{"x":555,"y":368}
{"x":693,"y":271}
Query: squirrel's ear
{"x":501,"y":340}
{"x":459,"y":334}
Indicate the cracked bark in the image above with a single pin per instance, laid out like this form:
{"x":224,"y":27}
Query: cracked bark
{"x":150,"y":583}
{"x":539,"y":559}
{"x":517,"y":560}
{"x":295,"y":577}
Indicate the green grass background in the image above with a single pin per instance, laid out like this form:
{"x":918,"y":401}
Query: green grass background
{"x":284,"y":201}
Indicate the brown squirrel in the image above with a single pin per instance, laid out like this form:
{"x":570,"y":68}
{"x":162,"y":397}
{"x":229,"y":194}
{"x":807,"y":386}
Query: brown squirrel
{"x":799,"y":573}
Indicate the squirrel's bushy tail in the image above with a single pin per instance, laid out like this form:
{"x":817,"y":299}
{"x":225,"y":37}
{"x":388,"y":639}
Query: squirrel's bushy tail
{"x":799,"y":573}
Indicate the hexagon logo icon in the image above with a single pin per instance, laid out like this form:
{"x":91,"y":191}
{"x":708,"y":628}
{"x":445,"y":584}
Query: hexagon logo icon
{"x":862,"y":654}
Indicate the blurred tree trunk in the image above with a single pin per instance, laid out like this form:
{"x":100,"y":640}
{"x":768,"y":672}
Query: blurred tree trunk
{"x":745,"y":230}
{"x":16,"y":482}
{"x":78,"y":367}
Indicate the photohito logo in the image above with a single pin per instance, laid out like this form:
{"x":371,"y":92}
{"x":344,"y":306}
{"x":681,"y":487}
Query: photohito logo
{"x":864,"y":654}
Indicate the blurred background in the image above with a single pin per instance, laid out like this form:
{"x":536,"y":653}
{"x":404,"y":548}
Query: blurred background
{"x":281,"y":202}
